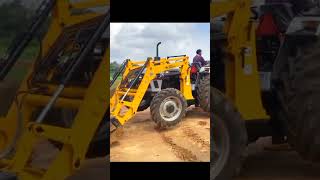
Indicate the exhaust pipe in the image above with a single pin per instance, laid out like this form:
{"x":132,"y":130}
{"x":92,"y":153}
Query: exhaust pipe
{"x":157,"y":56}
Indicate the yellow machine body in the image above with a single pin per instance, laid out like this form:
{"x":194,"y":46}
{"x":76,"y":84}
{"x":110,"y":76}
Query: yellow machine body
{"x":124,"y":110}
{"x":91,"y":104}
{"x":241,"y":71}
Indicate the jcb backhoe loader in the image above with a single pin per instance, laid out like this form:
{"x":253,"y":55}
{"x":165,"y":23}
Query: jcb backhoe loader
{"x":265,"y":80}
{"x":63,"y":99}
{"x":167,"y":85}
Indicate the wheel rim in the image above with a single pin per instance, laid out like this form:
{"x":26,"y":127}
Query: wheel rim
{"x":170,"y":108}
{"x":220,"y":148}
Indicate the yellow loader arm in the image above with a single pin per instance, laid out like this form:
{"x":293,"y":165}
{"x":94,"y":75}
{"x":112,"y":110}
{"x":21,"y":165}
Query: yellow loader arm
{"x":27,"y":123}
{"x":125,"y":101}
{"x":241,"y":71}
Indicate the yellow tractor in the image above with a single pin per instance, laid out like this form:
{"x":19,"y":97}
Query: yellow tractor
{"x":167,"y":85}
{"x":63,"y":100}
{"x":265,"y":80}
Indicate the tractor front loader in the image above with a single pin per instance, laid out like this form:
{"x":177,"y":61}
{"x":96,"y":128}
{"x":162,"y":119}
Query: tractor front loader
{"x":136,"y":79}
{"x":163,"y":84}
{"x":63,"y":100}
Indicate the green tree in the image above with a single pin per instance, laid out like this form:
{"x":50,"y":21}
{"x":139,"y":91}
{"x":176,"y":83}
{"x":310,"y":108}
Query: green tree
{"x":14,"y":18}
{"x":114,"y":66}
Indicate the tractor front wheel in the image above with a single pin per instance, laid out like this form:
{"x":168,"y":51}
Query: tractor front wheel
{"x":168,"y":107}
{"x":228,"y":138}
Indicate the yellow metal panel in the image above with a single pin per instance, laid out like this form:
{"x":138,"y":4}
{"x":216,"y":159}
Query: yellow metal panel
{"x":241,"y":71}
{"x":51,"y":132}
{"x":71,"y":91}
{"x":222,"y":8}
{"x":41,"y":100}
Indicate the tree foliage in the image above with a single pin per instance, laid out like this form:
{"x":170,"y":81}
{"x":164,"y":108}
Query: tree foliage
{"x":14,"y":18}
{"x":114,"y":66}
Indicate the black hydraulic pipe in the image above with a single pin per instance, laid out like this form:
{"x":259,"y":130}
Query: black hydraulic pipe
{"x":133,"y":82}
{"x":118,"y":72}
{"x":19,"y":44}
{"x":81,"y":57}
{"x":86,"y":50}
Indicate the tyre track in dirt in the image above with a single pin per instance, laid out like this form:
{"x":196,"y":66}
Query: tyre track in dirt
{"x":189,"y":141}
{"x":189,"y":144}
{"x":182,"y":153}
{"x":195,"y":137}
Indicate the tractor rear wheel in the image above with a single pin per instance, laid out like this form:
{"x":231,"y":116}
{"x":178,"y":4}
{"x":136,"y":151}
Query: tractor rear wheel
{"x":203,"y":93}
{"x":228,"y":138}
{"x":168,"y":107}
{"x":298,"y":86}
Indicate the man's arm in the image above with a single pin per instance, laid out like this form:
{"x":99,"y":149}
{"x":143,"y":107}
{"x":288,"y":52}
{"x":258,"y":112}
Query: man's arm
{"x":203,"y":62}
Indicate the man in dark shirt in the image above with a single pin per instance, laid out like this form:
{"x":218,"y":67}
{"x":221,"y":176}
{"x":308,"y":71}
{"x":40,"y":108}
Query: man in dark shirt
{"x":199,"y":59}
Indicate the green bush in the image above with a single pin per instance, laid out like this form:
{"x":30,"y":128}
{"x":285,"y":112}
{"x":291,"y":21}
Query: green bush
{"x":15,"y":19}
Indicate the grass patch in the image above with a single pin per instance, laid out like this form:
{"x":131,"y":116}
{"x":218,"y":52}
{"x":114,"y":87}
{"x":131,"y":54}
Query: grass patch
{"x":23,"y":64}
{"x":29,"y":54}
{"x":113,"y":88}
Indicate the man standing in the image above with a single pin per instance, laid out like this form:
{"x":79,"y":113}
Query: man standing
{"x":199,"y":59}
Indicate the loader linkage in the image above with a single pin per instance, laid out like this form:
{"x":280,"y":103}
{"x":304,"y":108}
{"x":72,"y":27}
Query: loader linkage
{"x":53,"y":87}
{"x":136,"y":78}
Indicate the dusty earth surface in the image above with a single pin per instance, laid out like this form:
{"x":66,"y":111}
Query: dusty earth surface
{"x":263,"y":164}
{"x":140,"y":141}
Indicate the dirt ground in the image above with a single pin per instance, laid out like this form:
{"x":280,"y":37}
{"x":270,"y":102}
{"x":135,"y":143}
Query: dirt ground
{"x":140,"y":141}
{"x":263,"y":164}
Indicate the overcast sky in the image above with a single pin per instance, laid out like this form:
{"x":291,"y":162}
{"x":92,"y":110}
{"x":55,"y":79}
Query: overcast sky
{"x":137,"y":41}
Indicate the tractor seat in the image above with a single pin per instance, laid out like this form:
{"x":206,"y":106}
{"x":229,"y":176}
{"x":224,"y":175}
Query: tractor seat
{"x":195,"y":68}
